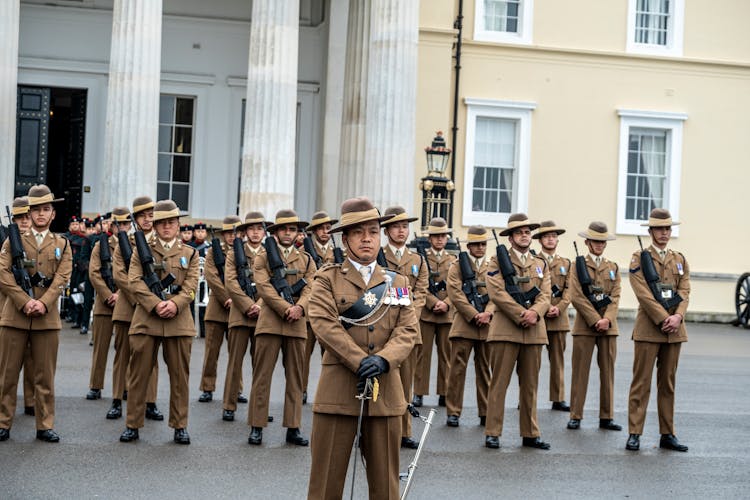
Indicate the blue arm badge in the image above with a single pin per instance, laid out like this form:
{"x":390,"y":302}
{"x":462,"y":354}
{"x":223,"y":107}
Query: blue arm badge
{"x":183,"y":262}
{"x":58,"y":253}
{"x":414,"y":270}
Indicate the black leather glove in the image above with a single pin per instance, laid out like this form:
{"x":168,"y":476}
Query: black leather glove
{"x":372,"y":366}
{"x":361,"y":385}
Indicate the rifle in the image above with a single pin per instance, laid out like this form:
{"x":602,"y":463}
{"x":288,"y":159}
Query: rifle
{"x":279,"y":271}
{"x":595,"y":294}
{"x":310,"y":249}
{"x":219,"y":259}
{"x":526,"y":299}
{"x":124,"y":244}
{"x":244,"y":272}
{"x":469,"y":281}
{"x":663,"y":293}
{"x":338,"y":253}
{"x":105,"y":258}
{"x":150,"y":277}
{"x":434,"y":287}
{"x":19,"y":257}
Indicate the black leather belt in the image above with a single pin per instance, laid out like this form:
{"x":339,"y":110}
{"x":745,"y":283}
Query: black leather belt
{"x":360,"y":309}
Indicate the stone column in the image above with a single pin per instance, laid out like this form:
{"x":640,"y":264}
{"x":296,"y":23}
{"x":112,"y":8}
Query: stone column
{"x":268,"y":156}
{"x":132,"y":128}
{"x":9,"y":26}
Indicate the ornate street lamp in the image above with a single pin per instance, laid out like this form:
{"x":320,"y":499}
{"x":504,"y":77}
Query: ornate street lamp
{"x":436,"y":187}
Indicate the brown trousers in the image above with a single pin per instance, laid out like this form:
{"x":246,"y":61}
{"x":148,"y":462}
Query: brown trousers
{"x":28,"y":377}
{"x":266,"y":353}
{"x":556,"y":356}
{"x":13,"y":345}
{"x":309,"y":349}
{"x":606,"y":354}
{"x":143,"y":353}
{"x":406,"y":371}
{"x":433,"y":333}
{"x":238,"y":339}
{"x":214,"y":338}
{"x":666,"y":357}
{"x":504,"y":356}
{"x":102,"y":333}
{"x":120,"y":365}
{"x":331,"y":446}
{"x":460,"y":351}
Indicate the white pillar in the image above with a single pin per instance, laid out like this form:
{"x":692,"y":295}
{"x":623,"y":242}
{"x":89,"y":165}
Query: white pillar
{"x":132,"y":127}
{"x":9,"y":26}
{"x":268,"y":156}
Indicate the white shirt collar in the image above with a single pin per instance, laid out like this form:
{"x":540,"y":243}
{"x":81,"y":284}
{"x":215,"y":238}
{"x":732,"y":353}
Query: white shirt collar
{"x":43,"y":233}
{"x":359,"y":266}
{"x":520,"y":255}
{"x":171,"y":243}
{"x":393,"y":249}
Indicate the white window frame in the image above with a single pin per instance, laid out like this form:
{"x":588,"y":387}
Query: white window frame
{"x":675,"y":32}
{"x":672,"y":123}
{"x":193,"y":157}
{"x":525,"y":25}
{"x":520,"y":111}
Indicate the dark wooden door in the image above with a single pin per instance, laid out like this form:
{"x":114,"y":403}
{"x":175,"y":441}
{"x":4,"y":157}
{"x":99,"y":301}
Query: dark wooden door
{"x":32,"y":130}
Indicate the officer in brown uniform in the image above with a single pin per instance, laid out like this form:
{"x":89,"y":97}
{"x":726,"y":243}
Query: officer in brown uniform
{"x":164,"y":320}
{"x":556,"y":320}
{"x":281,"y":326}
{"x":122,"y":315}
{"x":595,"y":325}
{"x":363,"y":337}
{"x":517,"y":332}
{"x":217,"y":311}
{"x":33,"y":317}
{"x":243,"y":314}
{"x":659,"y":331}
{"x":411,"y":265}
{"x":469,"y":330}
{"x":436,"y":316}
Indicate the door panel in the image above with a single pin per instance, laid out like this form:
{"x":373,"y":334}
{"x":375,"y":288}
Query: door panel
{"x":32,"y":129}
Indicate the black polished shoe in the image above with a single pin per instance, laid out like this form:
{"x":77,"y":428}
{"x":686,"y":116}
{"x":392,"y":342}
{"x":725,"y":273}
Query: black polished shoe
{"x":294,"y":436}
{"x":116,"y":411}
{"x":407,"y":442}
{"x":205,"y":397}
{"x":124,"y":395}
{"x":609,"y":424}
{"x":536,"y":443}
{"x":94,"y":394}
{"x":181,"y":436}
{"x":483,"y":421}
{"x":129,"y":435}
{"x":4,"y":434}
{"x":29,"y":410}
{"x":452,"y":421}
{"x":669,"y":441}
{"x":76,"y":325}
{"x":270,"y":418}
{"x":560,"y":406}
{"x":256,"y":435}
{"x":227,"y":415}
{"x":84,"y":330}
{"x":441,"y":401}
{"x":153,"y":413}
{"x":48,"y":436}
{"x":241,"y":398}
{"x":634,"y":442}
{"x":304,"y":397}
{"x":417,"y":401}
{"x":574,"y":423}
{"x":492,"y":442}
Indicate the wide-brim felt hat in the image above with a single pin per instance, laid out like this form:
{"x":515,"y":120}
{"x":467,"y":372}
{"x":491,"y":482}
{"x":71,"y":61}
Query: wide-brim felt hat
{"x":320,"y":218}
{"x":437,"y":225}
{"x":477,"y":234}
{"x":253,"y":218}
{"x":597,"y":231}
{"x":142,"y":203}
{"x":518,"y":220}
{"x":40,"y":194}
{"x":166,"y":209}
{"x":285,"y":218}
{"x":121,"y":214}
{"x":398,"y":214}
{"x":660,"y":217}
{"x":547,"y":226}
{"x":356,"y":211}
{"x":20,"y":206}
{"x":230,"y":223}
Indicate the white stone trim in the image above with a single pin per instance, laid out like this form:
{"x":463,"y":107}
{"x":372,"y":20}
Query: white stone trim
{"x":675,"y":35}
{"x":526,"y":24}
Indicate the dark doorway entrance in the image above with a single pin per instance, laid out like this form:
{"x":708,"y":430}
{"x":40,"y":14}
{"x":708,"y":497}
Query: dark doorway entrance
{"x":50,"y":133}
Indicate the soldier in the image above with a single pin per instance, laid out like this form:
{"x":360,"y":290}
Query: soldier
{"x":26,"y":318}
{"x":595,"y":325}
{"x":80,"y":252}
{"x":469,"y":330}
{"x":659,"y":331}
{"x":68,"y":310}
{"x":358,"y":348}
{"x":410,"y":264}
{"x":201,"y":246}
{"x":281,"y":327}
{"x":162,"y":319}
{"x":436,"y":317}
{"x":517,"y":332}
{"x":556,"y":320}
{"x":217,"y":311}
{"x":87,"y":288}
{"x":186,"y":234}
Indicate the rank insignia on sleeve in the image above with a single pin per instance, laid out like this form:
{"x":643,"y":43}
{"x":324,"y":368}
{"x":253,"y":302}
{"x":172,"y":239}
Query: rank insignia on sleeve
{"x":370,"y":299}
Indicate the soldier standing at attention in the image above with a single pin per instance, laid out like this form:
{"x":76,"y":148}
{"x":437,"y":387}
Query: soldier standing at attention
{"x":31,"y":316}
{"x":186,"y":234}
{"x":659,"y":331}
{"x":436,"y":315}
{"x":364,"y":338}
{"x":162,"y":320}
{"x":596,"y":325}
{"x":556,"y":319}
{"x":517,"y":332}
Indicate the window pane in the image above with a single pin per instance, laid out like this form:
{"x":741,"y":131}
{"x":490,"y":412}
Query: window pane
{"x":162,"y":191}
{"x":166,"y":109}
{"x":183,"y":138}
{"x":165,"y":164}
{"x":505,"y":202}
{"x":165,"y":139}
{"x":478,"y":177}
{"x":184,"y":114}
{"x":495,"y":163}
{"x":477,"y":200}
{"x":180,"y":195}
{"x":181,"y":169}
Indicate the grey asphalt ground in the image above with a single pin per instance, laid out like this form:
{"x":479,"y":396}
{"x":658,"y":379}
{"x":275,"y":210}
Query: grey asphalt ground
{"x":712,"y":417}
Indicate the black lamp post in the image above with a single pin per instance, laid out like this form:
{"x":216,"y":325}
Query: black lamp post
{"x":436,"y":187}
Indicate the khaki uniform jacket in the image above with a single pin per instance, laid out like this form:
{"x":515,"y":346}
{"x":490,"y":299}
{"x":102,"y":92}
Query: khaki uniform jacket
{"x":606,"y":276}
{"x":326,"y":255}
{"x":95,"y":277}
{"x":430,"y":299}
{"x":241,"y":303}
{"x":125,"y":306}
{"x":336,"y":289}
{"x":53,"y":259}
{"x":271,"y":318}
{"x":418,"y":281}
{"x":463,"y":321}
{"x":215,"y":310}
{"x":650,"y":313}
{"x":559,"y":274}
{"x":506,"y":322}
{"x":180,"y":260}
